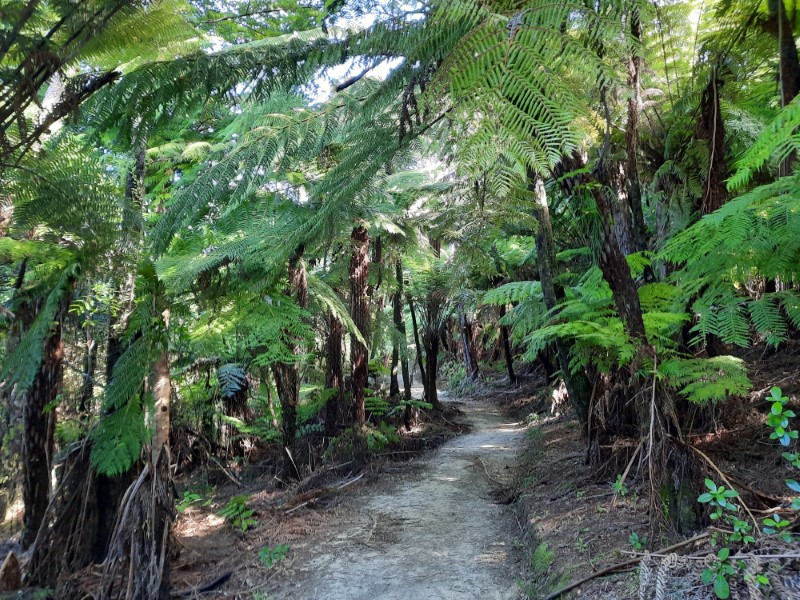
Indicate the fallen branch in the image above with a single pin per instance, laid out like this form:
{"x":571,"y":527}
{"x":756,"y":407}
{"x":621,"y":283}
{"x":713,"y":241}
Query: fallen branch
{"x":626,"y":471}
{"x":222,"y":579}
{"x":625,"y":565}
{"x":228,"y":474}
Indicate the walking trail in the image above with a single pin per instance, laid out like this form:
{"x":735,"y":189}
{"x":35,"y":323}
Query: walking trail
{"x":432,"y":533}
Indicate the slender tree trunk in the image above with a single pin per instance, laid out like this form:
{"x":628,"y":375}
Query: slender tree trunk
{"x":162,"y":391}
{"x":789,"y":71}
{"x":40,"y":421}
{"x":399,"y":328}
{"x":359,"y":308}
{"x":632,"y":135}
{"x":417,"y":344}
{"x":711,"y":127}
{"x":470,"y":362}
{"x":334,"y":375}
{"x":400,"y":337}
{"x":505,"y":342}
{"x":577,"y":384}
{"x":431,"y":341}
{"x":287,"y":376}
{"x":89,"y":367}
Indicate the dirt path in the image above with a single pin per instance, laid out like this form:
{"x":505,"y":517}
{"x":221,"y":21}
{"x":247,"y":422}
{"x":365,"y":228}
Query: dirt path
{"x":432,"y":533}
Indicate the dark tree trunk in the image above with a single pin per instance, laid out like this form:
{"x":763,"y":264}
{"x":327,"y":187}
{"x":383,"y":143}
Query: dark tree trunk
{"x":505,"y":342}
{"x":287,"y":376}
{"x":417,"y":343}
{"x":334,"y":375}
{"x":399,"y":350}
{"x":162,"y":393}
{"x":711,"y":127}
{"x":89,"y":366}
{"x":40,"y":422}
{"x":577,"y":384}
{"x":430,"y":340}
{"x":399,"y":354}
{"x":780,"y":26}
{"x":632,"y":135}
{"x":359,"y":309}
{"x":470,"y":361}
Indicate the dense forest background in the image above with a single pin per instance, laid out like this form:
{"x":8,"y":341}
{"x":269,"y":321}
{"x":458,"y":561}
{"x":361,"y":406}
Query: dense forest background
{"x":225,"y":222}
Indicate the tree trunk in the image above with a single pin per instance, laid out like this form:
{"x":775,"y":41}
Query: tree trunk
{"x":359,"y":308}
{"x":711,"y":127}
{"x":505,"y":342}
{"x":287,"y":376}
{"x":470,"y":361}
{"x":632,"y":135}
{"x":334,"y":375}
{"x":89,"y":367}
{"x":40,"y":423}
{"x":417,"y":343}
{"x":781,"y":27}
{"x":577,"y":384}
{"x":400,"y":336}
{"x":162,"y":391}
{"x":430,"y":339}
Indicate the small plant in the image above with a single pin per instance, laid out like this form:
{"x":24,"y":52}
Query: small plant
{"x":718,"y":573}
{"x":272,"y":556}
{"x":719,"y":498}
{"x":779,"y":417}
{"x":619,"y":486}
{"x":238,"y":514}
{"x":636,"y":542}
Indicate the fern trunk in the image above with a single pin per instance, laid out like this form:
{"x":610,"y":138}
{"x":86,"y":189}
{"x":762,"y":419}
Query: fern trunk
{"x":780,"y":24}
{"x":287,"y":376}
{"x":505,"y":342}
{"x":711,"y":128}
{"x":359,"y":308}
{"x":417,"y":343}
{"x":470,"y":360}
{"x":634,"y":196}
{"x":162,"y":390}
{"x":399,"y":347}
{"x":39,"y":429}
{"x":334,"y":374}
{"x":430,"y":340}
{"x":577,"y":384}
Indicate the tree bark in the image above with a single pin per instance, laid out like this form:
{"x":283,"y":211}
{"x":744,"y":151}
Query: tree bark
{"x":417,"y":343}
{"x":39,"y":419}
{"x":287,"y":375}
{"x":632,"y":135}
{"x":399,"y":352}
{"x":711,"y":127}
{"x":577,"y":384}
{"x":359,"y":308}
{"x":780,"y":26}
{"x":162,"y":390}
{"x":470,"y":361}
{"x":334,"y":375}
{"x":505,"y":342}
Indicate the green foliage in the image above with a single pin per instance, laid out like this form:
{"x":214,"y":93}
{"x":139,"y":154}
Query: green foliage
{"x":238,"y":514}
{"x":718,"y":573}
{"x":272,"y":556}
{"x":707,"y":380}
{"x":778,"y":418}
{"x":636,"y":542}
{"x":751,"y":237}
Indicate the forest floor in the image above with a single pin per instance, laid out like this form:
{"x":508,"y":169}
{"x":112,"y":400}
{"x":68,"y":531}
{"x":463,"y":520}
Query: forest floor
{"x":432,"y":527}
